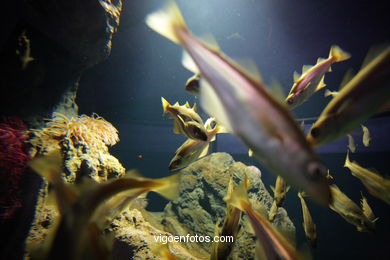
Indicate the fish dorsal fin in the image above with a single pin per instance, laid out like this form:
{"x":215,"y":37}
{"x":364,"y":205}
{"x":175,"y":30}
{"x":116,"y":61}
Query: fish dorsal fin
{"x":319,"y":60}
{"x":296,"y":76}
{"x":189,"y":63}
{"x":250,"y":68}
{"x":187,"y":105}
{"x":210,"y":41}
{"x":372,"y":53}
{"x":347,"y":78}
{"x":176,"y":103}
{"x":212,"y":104}
{"x":276,"y":90}
{"x":305,"y":68}
{"x":194,"y":108}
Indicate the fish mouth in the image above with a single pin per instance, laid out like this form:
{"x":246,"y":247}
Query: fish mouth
{"x":311,"y":140}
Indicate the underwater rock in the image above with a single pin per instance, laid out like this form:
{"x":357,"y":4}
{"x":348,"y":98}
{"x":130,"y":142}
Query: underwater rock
{"x":137,"y":238}
{"x":200,"y":204}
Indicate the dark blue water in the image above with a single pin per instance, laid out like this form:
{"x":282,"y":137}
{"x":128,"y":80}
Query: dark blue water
{"x":280,"y":36}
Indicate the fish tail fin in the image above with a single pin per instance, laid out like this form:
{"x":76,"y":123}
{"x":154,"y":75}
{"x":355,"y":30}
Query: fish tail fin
{"x":239,"y":195}
{"x":338,"y":54}
{"x":167,"y":22}
{"x":170,"y":187}
{"x":328,"y":93}
{"x":165,"y":105}
{"x":347,"y":161}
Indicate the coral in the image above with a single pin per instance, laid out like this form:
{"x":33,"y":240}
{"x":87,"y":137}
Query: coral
{"x":13,"y":161}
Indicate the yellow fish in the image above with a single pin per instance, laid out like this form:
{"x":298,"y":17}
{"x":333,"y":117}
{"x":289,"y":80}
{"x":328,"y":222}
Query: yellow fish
{"x":275,"y":246}
{"x":78,"y":208}
{"x":351,"y":143}
{"x":280,"y":190}
{"x":186,"y":120}
{"x":366,"y":136}
{"x":312,"y":78}
{"x":363,"y":96}
{"x":308,"y":224}
{"x":348,"y":210}
{"x":24,"y":50}
{"x":367,"y":211}
{"x":242,"y":104}
{"x":192,"y":150}
{"x":377,"y":185}
{"x":230,"y":228}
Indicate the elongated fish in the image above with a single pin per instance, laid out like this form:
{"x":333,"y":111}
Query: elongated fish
{"x":308,"y":224}
{"x":349,"y":211}
{"x":186,"y":120}
{"x":77,"y":209}
{"x":274,"y":245}
{"x":351,"y":143}
{"x":280,"y":190}
{"x":192,"y":150}
{"x":377,"y":185}
{"x":358,"y":100}
{"x":312,"y":78}
{"x":366,"y":136}
{"x":230,"y":228}
{"x":244,"y":107}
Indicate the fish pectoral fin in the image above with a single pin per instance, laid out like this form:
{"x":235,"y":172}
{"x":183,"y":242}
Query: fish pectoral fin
{"x":213,"y":105}
{"x":176,"y":125}
{"x":189,"y":63}
{"x":205,"y":151}
{"x":272,"y":188}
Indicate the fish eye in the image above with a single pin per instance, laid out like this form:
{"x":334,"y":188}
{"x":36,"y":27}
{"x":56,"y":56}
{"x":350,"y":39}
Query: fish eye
{"x":316,"y":170}
{"x":315,"y":132}
{"x":290,"y":101}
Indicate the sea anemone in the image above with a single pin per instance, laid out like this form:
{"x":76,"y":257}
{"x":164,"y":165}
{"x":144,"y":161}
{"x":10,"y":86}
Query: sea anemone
{"x":94,"y":131}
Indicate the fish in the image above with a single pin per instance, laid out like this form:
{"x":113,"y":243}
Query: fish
{"x":312,"y":78}
{"x":362,"y":97}
{"x":24,"y":50}
{"x":193,"y":85}
{"x":186,"y":120}
{"x":351,"y":143}
{"x":242,"y":105}
{"x":329,"y":93}
{"x":280,"y":190}
{"x":348,"y":210}
{"x":230,"y":228}
{"x":274,"y":245}
{"x":192,"y":150}
{"x":366,"y":136}
{"x":367,"y":211}
{"x":308,"y":224}
{"x":78,"y":203}
{"x":376,"y":185}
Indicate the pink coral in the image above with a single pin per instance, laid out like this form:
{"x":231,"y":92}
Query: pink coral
{"x":13,"y":161}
